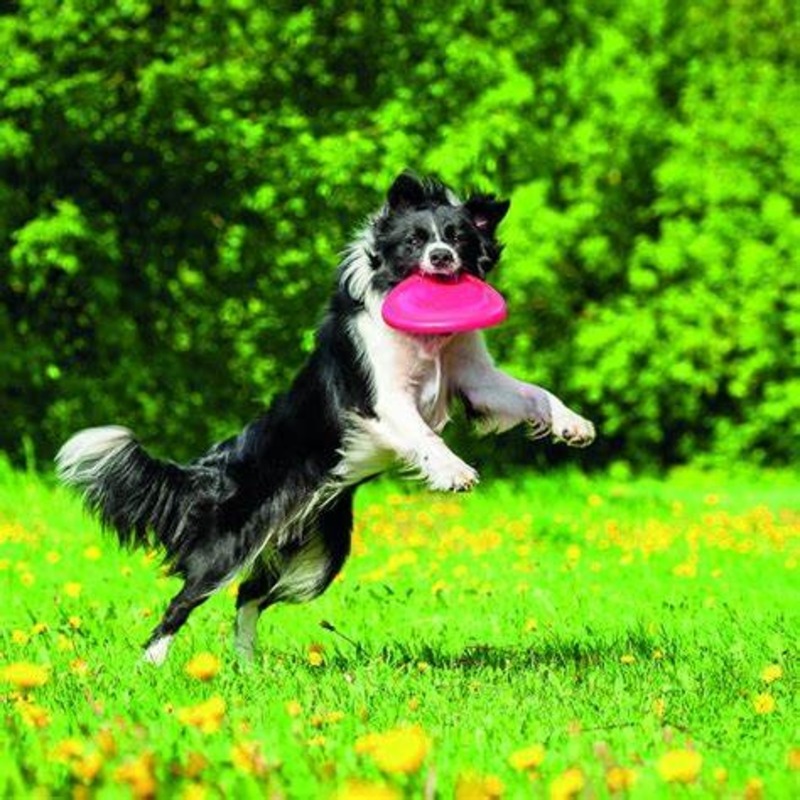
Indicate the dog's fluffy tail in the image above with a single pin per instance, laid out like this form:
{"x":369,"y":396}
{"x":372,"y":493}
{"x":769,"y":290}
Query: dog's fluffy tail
{"x":143,"y":499}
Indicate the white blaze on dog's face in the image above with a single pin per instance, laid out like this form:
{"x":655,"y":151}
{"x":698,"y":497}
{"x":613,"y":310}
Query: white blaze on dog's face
{"x":425,"y":228}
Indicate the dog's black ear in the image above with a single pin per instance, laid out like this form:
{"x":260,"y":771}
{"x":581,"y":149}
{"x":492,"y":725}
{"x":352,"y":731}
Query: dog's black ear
{"x":486,"y":212}
{"x":407,"y":191}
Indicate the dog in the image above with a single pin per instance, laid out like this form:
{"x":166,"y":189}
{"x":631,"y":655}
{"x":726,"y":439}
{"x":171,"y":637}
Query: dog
{"x":275,"y":503}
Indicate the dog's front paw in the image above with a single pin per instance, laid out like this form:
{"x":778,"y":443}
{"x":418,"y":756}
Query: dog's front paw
{"x":449,"y":474}
{"x":570,"y":428}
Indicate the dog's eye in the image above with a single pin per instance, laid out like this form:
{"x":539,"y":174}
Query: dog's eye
{"x":452,"y":234}
{"x":418,"y":237}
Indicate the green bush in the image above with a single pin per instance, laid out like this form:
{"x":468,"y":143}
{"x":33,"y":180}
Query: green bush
{"x":176,"y":181}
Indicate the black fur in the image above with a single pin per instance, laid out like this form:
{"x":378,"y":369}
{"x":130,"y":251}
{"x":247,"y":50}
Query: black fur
{"x":263,"y":501}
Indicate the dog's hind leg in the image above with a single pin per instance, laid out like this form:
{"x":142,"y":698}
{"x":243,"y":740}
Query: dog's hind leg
{"x":299,"y":572}
{"x":187,"y":599}
{"x":252,"y":599}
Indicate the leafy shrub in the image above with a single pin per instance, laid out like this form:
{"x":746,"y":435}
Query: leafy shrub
{"x":176,"y":181}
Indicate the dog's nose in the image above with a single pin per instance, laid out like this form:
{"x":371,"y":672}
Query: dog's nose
{"x":441,"y":258}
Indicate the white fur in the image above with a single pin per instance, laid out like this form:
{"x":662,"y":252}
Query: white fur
{"x":156,"y":652}
{"x":506,"y":401}
{"x":247,"y":629}
{"x":83,"y":458}
{"x":300,"y":578}
{"x":413,"y":380}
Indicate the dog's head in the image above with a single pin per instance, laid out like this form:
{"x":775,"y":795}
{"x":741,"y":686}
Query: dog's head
{"x":424,"y":227}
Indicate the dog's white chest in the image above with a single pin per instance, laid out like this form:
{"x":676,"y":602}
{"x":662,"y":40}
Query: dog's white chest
{"x":431,"y":392}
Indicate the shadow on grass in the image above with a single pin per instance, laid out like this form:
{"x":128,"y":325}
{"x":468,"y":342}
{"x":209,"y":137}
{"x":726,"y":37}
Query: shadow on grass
{"x":553,"y":651}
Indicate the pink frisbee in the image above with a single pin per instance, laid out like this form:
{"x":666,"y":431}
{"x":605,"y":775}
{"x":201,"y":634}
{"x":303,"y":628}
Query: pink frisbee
{"x":438,"y":305}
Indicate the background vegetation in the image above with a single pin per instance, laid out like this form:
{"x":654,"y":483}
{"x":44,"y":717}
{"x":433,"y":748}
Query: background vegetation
{"x":177,"y":178}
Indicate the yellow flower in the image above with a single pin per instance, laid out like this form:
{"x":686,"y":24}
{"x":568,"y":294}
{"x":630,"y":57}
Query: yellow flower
{"x":471,"y":786}
{"x":93,"y":553}
{"x":72,"y":589}
{"x":366,"y":790}
{"x":138,"y":774}
{"x":401,"y":750}
{"x":194,"y":791}
{"x":659,"y":707}
{"x":627,"y":658}
{"x":32,"y":715}
{"x":247,"y":757}
{"x":86,"y":768}
{"x":771,"y":672}
{"x":567,"y":785}
{"x":206,"y":716}
{"x":293,"y":708}
{"x":78,"y":667}
{"x":620,"y":779}
{"x":680,"y":766}
{"x":315,"y":655}
{"x":763,"y":703}
{"x":203,"y":667}
{"x":528,"y":758}
{"x":754,"y":789}
{"x":104,"y":738}
{"x":67,"y":749}
{"x":793,"y":758}
{"x":24,"y":675}
{"x":19,"y":637}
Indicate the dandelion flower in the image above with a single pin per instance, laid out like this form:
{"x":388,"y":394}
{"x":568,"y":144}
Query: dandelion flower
{"x":398,"y":751}
{"x":248,"y":758}
{"x":471,"y":786}
{"x":367,"y":790}
{"x":567,"y":785}
{"x":86,"y":768}
{"x":203,"y":666}
{"x":627,"y":658}
{"x":528,"y":758}
{"x":138,"y":774}
{"x":19,"y":637}
{"x":754,"y":789}
{"x":620,"y":779}
{"x":32,"y":715}
{"x":315,"y":658}
{"x":195,"y":791}
{"x":72,"y":589}
{"x":67,"y":749}
{"x":771,"y":673}
{"x":793,"y":759}
{"x":293,"y":708}
{"x":680,"y":766}
{"x":206,"y":716}
{"x":24,"y":675}
{"x":763,"y":703}
{"x":93,"y":553}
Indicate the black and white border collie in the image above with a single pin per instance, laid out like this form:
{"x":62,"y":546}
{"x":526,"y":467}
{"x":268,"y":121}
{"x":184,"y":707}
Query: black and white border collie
{"x":274,"y":504}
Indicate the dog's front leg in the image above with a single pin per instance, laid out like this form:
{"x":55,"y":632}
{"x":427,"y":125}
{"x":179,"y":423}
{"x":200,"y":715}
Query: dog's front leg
{"x":501,"y":402}
{"x":400,"y":428}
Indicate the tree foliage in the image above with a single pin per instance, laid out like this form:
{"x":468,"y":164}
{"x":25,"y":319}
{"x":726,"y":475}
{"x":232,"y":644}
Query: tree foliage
{"x":177,"y":179}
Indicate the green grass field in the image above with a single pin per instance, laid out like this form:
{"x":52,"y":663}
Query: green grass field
{"x":559,"y":636}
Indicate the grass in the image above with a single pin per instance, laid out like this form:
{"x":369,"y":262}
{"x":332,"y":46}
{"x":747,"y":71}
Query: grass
{"x":556,"y":636}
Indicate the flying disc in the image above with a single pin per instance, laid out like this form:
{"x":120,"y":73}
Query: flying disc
{"x":437,"y":305}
